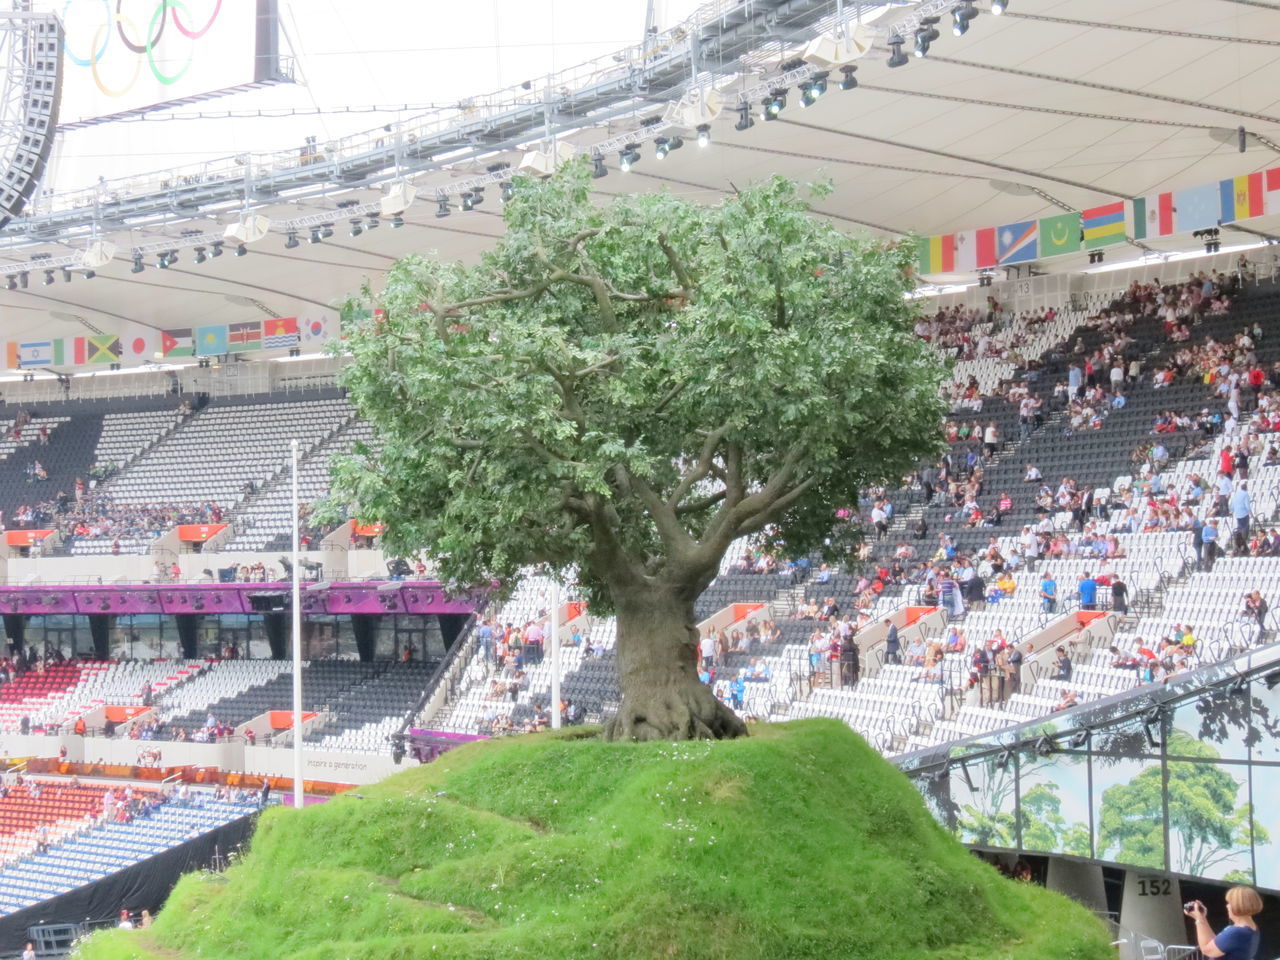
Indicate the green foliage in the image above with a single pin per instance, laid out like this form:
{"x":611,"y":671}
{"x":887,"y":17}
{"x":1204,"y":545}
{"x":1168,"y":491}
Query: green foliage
{"x":630,"y":387}
{"x":797,"y":842}
{"x":1202,"y":811}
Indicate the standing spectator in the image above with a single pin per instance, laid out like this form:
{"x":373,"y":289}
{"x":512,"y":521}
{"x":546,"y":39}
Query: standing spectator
{"x":892,"y":647}
{"x":990,"y":439}
{"x":1255,"y":608}
{"x":1119,"y":595}
{"x":1209,"y":538}
{"x":1240,"y":509}
{"x":1088,"y":590}
{"x":1048,"y":593}
{"x":1061,"y":665}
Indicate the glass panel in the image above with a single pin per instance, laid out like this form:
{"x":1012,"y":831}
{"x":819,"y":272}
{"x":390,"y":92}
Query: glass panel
{"x":1129,"y":811}
{"x":1209,"y":817}
{"x":984,"y":800}
{"x":1220,"y":719}
{"x":1266,"y":720}
{"x":1266,"y":826}
{"x":1054,"y":812}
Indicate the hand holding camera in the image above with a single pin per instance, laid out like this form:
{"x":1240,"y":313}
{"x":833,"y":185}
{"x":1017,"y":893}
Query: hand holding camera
{"x":1194,"y":909}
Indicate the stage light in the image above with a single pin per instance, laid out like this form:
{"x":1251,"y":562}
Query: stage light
{"x":598,"y":169}
{"x":66,"y":275}
{"x":813,"y":88}
{"x":466,"y":199}
{"x":628,"y":156}
{"x":847,"y":79}
{"x":373,"y":223}
{"x":1045,"y":746}
{"x":1079,"y":738}
{"x":137,"y":264}
{"x":89,"y":274}
{"x":999,"y":6}
{"x":22,"y":280}
{"x":397,"y":221}
{"x":704,"y":134}
{"x":508,"y":191}
{"x":241,"y":250}
{"x":963,"y":15}
{"x":48,"y":277}
{"x":926,"y":33}
{"x":477,"y":196}
{"x":745,"y":120}
{"x":326,"y":231}
{"x":11,"y":283}
{"x":162,"y":262}
{"x":357,"y":227}
{"x":774,"y":104}
{"x":664,"y":145}
{"x":315,"y":235}
{"x":292,"y":242}
{"x":442,"y":207}
{"x":173,"y":257}
{"x":200,"y":256}
{"x":1096,"y":256}
{"x":897,"y":58}
{"x":216,"y":248}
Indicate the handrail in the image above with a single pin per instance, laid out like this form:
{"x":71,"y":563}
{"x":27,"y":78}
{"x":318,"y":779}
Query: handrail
{"x":466,"y":641}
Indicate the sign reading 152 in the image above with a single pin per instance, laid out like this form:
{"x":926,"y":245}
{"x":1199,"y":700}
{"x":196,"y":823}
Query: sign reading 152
{"x":1155,"y":888}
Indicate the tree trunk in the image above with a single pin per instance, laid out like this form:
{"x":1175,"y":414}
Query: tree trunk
{"x":658,"y":672}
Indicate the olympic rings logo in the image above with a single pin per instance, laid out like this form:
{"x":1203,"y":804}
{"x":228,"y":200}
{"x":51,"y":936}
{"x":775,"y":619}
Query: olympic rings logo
{"x":99,"y":35}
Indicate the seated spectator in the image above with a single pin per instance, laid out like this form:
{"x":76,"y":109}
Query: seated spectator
{"x":1066,"y":701}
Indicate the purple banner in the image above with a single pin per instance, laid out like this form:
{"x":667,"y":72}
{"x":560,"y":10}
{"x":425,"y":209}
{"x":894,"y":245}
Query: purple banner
{"x":427,"y":597}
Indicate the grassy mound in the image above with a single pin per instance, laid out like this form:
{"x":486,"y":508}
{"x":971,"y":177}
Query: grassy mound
{"x":800,"y":842}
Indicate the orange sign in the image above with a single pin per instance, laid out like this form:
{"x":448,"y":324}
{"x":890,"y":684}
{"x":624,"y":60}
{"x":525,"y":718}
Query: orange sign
{"x":121,"y":714}
{"x":199,"y":532}
{"x":366,"y":529}
{"x":283,"y":719}
{"x":24,"y":538}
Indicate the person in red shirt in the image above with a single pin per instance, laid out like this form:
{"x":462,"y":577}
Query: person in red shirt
{"x":1226,"y":461}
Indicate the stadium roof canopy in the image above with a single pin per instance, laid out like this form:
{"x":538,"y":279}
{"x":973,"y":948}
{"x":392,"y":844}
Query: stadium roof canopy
{"x":1055,"y":105}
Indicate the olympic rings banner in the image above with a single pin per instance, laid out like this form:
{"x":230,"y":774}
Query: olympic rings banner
{"x":124,"y":56}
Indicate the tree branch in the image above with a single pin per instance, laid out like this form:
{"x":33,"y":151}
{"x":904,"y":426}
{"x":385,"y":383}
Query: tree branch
{"x":669,"y":396}
{"x":775,"y":509}
{"x":703,"y":503}
{"x":700,"y":470}
{"x":664,"y":516}
{"x":677,"y":266}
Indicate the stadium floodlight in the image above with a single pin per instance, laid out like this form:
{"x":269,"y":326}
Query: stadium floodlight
{"x":847,"y":79}
{"x":398,"y":198}
{"x":468,"y":200}
{"x":137,"y":264}
{"x":98,"y":254}
{"x":774,"y":103}
{"x":48,"y":277}
{"x":813,"y":88}
{"x":216,"y":250}
{"x":200,"y":256}
{"x":839,"y":48}
{"x":241,"y":250}
{"x":292,"y":242}
{"x":357,"y":227}
{"x":442,"y":207}
{"x":704,"y":134}
{"x":745,"y":120}
{"x":326,"y":231}
{"x":66,"y":274}
{"x":962,"y":16}
{"x":11,"y":282}
{"x":397,"y":221}
{"x":598,"y":169}
{"x":250,"y":228}
{"x":999,"y":6}
{"x":926,"y":33}
{"x":897,"y":58}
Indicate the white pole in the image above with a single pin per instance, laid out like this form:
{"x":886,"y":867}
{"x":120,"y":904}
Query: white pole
{"x":297,"y":639}
{"x":555,"y":653}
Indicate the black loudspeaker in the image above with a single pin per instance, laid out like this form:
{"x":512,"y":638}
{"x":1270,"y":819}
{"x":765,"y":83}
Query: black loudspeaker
{"x":268,"y":602}
{"x":42,"y":91}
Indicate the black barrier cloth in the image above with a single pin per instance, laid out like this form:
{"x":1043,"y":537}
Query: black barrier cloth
{"x":143,"y":886}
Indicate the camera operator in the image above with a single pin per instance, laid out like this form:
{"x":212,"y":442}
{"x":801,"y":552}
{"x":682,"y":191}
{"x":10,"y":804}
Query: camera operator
{"x":1239,"y":941}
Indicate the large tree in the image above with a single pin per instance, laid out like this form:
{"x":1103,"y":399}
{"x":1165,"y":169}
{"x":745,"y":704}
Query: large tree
{"x":628,"y":388}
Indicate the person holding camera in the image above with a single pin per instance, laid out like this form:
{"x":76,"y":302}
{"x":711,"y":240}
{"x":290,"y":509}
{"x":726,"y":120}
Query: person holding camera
{"x":1239,"y":941}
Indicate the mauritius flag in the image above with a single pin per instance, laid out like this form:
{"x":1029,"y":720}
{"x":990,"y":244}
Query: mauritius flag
{"x":1103,"y":225}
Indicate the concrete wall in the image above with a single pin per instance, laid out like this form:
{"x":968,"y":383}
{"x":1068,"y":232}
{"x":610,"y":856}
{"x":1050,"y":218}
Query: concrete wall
{"x":320,"y":765}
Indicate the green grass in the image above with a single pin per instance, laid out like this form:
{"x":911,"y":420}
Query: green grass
{"x":799,"y":842}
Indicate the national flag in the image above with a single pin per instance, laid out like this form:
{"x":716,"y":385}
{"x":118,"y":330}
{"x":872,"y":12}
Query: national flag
{"x":966,"y":251}
{"x":280,"y":332}
{"x":1016,"y":242}
{"x":986,"y":245}
{"x":1103,"y":226}
{"x":937,"y":254}
{"x":245,"y":336}
{"x":177,"y":343}
{"x":38,"y":353}
{"x":1060,"y":234}
{"x":139,"y":344}
{"x":1152,"y":216}
{"x":1271,"y":191}
{"x":1197,"y":208}
{"x":1241,"y":197}
{"x":317,"y":330}
{"x":211,"y":340}
{"x":102,"y":349}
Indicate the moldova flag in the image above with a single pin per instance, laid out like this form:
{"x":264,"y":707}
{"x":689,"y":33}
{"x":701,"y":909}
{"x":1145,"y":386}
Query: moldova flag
{"x":1103,"y":225}
{"x":1241,"y":197}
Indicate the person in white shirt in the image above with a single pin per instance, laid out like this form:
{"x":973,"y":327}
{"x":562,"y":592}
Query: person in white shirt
{"x":1032,"y":475}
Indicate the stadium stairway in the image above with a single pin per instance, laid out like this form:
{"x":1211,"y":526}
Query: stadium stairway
{"x":68,"y":455}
